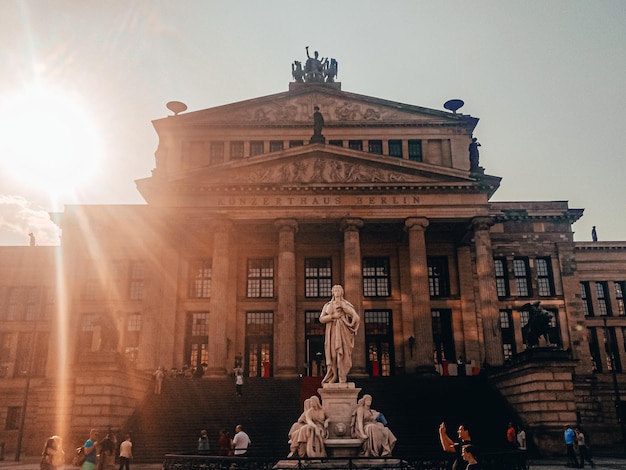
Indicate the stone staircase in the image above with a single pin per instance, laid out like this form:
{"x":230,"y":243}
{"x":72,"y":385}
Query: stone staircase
{"x":414,"y":407}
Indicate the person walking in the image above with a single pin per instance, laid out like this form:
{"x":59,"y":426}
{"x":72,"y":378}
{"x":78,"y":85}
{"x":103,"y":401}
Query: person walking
{"x":108,"y":446}
{"x":225,"y":443}
{"x":91,"y":453}
{"x":126,"y":453}
{"x":583,"y":450}
{"x":241,"y":441}
{"x":521,"y":438}
{"x":511,"y":437}
{"x":570,"y":436}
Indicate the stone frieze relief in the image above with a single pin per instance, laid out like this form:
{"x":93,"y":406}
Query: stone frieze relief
{"x":320,"y":170}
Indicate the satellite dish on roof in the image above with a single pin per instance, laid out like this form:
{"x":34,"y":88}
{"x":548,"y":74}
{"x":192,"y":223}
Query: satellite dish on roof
{"x":453,"y":105}
{"x":176,"y":107}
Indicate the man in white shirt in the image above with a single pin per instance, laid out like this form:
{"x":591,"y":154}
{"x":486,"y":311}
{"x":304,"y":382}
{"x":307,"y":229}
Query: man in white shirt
{"x":241,"y":441}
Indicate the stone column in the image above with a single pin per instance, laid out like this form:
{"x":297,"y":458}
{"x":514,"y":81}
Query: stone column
{"x":220,"y":306}
{"x":420,"y":294}
{"x":285,"y":320}
{"x":487,"y":302}
{"x":353,"y":288}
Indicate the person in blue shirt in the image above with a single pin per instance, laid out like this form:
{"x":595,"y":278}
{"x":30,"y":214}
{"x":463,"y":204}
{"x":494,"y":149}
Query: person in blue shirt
{"x":91,"y":453}
{"x":570,"y":438}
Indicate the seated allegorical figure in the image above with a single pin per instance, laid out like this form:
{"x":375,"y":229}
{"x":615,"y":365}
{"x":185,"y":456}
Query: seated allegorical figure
{"x":370,"y":425}
{"x":308,"y":433}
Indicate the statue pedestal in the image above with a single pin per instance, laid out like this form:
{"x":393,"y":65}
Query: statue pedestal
{"x":339,"y":400}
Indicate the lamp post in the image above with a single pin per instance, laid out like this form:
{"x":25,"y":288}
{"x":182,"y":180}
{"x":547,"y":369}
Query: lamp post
{"x":608,"y":345}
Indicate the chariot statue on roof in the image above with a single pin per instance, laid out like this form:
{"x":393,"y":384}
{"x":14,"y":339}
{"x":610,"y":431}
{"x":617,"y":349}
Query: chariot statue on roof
{"x":316,"y":69}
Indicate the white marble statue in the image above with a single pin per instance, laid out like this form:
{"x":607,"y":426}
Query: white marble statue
{"x":342,"y":322}
{"x":306,"y":436}
{"x":367,"y":424}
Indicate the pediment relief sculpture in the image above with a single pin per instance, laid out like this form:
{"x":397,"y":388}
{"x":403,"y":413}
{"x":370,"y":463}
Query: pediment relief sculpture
{"x":320,"y":170}
{"x":300,"y":109}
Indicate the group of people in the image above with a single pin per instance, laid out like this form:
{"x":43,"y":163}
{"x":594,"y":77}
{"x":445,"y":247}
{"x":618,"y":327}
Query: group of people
{"x":237,"y":446}
{"x":575,"y":439}
{"x":98,"y":455}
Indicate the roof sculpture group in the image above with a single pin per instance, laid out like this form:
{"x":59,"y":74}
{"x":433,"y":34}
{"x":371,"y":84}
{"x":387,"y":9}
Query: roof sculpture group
{"x":315,"y":70}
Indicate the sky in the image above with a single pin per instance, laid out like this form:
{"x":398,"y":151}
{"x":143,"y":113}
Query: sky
{"x":546,"y":78}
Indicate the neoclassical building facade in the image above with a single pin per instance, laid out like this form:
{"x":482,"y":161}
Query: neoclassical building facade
{"x":248,"y":223}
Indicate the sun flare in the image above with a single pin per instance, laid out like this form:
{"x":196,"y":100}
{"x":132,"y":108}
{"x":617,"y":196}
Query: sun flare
{"x":47,"y":141}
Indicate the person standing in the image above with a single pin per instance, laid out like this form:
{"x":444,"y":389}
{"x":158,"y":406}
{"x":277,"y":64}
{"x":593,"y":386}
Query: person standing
{"x":521,"y":438}
{"x":469,"y":455}
{"x":583,"y":450}
{"x":225,"y":443}
{"x":342,"y":323}
{"x":238,"y":381}
{"x":448,"y":445}
{"x":91,"y":453}
{"x":158,"y":380}
{"x":511,"y":436}
{"x":570,"y":436}
{"x":241,"y":441}
{"x":126,"y":452}
{"x":108,"y":445}
{"x":53,"y":455}
{"x":203,"y":443}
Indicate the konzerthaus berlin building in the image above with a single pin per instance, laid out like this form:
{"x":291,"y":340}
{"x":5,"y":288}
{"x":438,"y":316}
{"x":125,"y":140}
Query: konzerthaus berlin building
{"x":253,"y":211}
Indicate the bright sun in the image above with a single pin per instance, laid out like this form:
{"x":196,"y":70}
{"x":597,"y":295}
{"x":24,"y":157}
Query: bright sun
{"x":47,"y":141}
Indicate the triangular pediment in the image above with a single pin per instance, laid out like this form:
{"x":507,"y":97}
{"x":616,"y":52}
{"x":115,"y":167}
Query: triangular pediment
{"x":321,"y":165}
{"x":337,"y":107}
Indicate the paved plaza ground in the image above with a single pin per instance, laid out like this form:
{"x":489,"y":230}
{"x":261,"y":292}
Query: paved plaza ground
{"x":602,"y":463}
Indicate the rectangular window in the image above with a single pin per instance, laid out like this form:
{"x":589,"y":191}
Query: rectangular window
{"x":257,"y":147}
{"x":312,"y":325}
{"x":5,"y":347}
{"x":594,"y":349}
{"x":14,"y":310}
{"x":415,"y":150}
{"x":90,"y":289}
{"x":336,"y":143}
{"x":443,"y":338}
{"x":236,"y":150}
{"x":317,"y":277}
{"x":23,"y":354}
{"x":438,"y":277}
{"x":604,"y":307}
{"x":200,"y":324}
{"x":395,"y":148}
{"x":502,"y":281}
{"x":375,"y":146}
{"x":376,"y":279}
{"x":545,"y":281}
{"x":14,"y":417}
{"x":32,"y":303}
{"x":260,"y":278}
{"x":355,"y":144}
{"x":131,"y":353}
{"x":377,"y":322}
{"x":276,"y":145}
{"x":134,"y":322}
{"x":200,"y":276}
{"x":585,"y":296}
{"x":508,"y":334}
{"x":137,"y":273}
{"x":612,"y":353}
{"x":620,"y":287}
{"x":522,"y":277}
{"x":296,"y":143}
{"x":217,"y":152}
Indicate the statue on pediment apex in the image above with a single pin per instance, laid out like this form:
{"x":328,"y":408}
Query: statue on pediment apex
{"x":316,"y":69}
